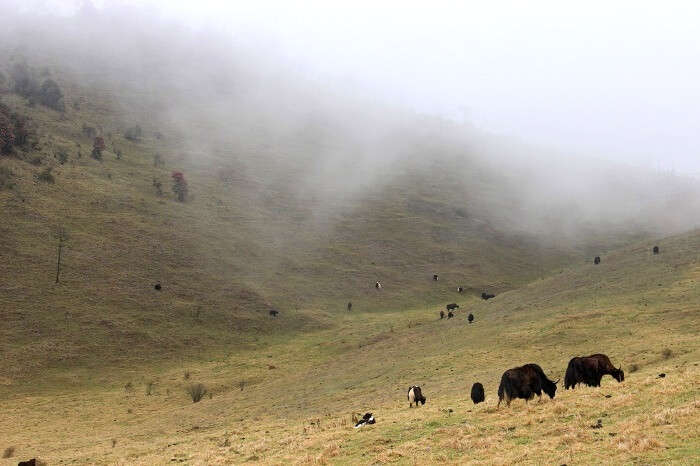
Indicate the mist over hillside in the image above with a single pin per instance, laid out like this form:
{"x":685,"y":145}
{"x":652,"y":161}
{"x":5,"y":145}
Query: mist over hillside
{"x":237,"y":102}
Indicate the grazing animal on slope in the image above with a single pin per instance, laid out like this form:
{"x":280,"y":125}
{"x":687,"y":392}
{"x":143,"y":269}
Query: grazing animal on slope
{"x":368,"y":418}
{"x":478,"y":393}
{"x":415,"y":396}
{"x":486,"y":296}
{"x":274,"y":313}
{"x":470,"y":317}
{"x":157,"y":286}
{"x":378,"y":285}
{"x":452,"y":307}
{"x":589,"y":370}
{"x":655,"y":250}
{"x":31,"y":462}
{"x":460,"y":289}
{"x":450,"y":315}
{"x":435,"y":277}
{"x":525,"y":382}
{"x":596,"y":260}
{"x":442,"y":314}
{"x":349,"y":305}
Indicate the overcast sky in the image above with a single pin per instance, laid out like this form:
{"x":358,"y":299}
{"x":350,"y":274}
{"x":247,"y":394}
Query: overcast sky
{"x":618,"y":79}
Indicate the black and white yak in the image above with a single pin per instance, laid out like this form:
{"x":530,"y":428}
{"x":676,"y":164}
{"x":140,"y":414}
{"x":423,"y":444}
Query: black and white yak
{"x":415,"y":396}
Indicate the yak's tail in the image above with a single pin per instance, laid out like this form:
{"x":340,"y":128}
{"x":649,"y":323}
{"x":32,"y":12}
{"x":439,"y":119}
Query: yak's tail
{"x":503,"y":387}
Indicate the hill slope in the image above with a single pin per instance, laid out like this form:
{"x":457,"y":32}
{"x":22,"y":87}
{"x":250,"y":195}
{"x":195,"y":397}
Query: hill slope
{"x":290,"y":400}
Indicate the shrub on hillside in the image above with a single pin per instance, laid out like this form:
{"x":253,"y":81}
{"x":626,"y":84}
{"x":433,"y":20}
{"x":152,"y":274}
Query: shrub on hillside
{"x":196,"y":392}
{"x":5,"y":178}
{"x":133,"y":133}
{"x":7,"y":134}
{"x":46,"y":176}
{"x":179,"y":186}
{"x":23,"y":82}
{"x":97,"y":147}
{"x":51,"y":96}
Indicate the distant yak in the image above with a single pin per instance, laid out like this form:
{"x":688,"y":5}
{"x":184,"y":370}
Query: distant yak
{"x":460,"y":289}
{"x":157,"y":286}
{"x":596,"y":260}
{"x":31,"y":462}
{"x":274,"y":313}
{"x":525,"y":382}
{"x":450,"y":315}
{"x":349,"y":305}
{"x":415,"y":396}
{"x":442,"y":314}
{"x":452,"y":307}
{"x":486,"y":296}
{"x":470,"y":317}
{"x":378,"y":285}
{"x":655,"y":250}
{"x":477,"y":393}
{"x":435,"y":277}
{"x":589,"y":370}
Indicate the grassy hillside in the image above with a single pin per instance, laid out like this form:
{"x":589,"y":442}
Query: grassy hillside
{"x":290,"y":400}
{"x":248,"y":239}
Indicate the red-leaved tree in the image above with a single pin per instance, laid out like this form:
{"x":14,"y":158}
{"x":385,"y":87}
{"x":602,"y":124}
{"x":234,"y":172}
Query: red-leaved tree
{"x":179,"y":186}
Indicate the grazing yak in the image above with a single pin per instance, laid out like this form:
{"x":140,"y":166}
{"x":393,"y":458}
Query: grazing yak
{"x":470,"y":317}
{"x":274,"y":313}
{"x":452,"y":307}
{"x":450,"y":314}
{"x":157,"y":287}
{"x":435,"y":277}
{"x":589,"y":370}
{"x":349,"y":305}
{"x":525,"y":382}
{"x":378,"y":285}
{"x":368,"y":418}
{"x":477,"y":393}
{"x":655,"y":250}
{"x":596,"y":260}
{"x":442,"y":314}
{"x":460,"y":289}
{"x":31,"y":462}
{"x":415,"y":396}
{"x":486,"y":296}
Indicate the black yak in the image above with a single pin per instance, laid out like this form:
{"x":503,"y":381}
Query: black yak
{"x":477,"y":393}
{"x":157,"y":287}
{"x":435,"y":277}
{"x":349,"y":305}
{"x":368,"y":418}
{"x":525,"y":382}
{"x":274,"y":313}
{"x":442,"y":314}
{"x":460,"y":289}
{"x":487,"y":296}
{"x":415,"y":396}
{"x":470,"y":317}
{"x":589,"y":370}
{"x":655,"y":250}
{"x":596,"y":261}
{"x":450,"y":315}
{"x":452,"y":307}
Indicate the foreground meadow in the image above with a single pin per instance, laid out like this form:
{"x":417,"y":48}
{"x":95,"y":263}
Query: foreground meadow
{"x":289,"y":399}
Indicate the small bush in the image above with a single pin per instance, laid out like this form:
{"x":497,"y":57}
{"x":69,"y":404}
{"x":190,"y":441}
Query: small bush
{"x":6,"y":178}
{"x":667,"y":353}
{"x":196,"y":392}
{"x":9,"y":451}
{"x":133,"y":133}
{"x":46,"y":176}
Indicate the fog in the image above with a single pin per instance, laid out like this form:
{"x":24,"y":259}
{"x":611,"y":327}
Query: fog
{"x":569,"y":115}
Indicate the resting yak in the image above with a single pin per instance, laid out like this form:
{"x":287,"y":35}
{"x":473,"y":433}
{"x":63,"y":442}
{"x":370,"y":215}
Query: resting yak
{"x":477,"y":393}
{"x":487,"y":296}
{"x":525,"y":382}
{"x":589,"y":370}
{"x":452,"y":306}
{"x":415,"y":396}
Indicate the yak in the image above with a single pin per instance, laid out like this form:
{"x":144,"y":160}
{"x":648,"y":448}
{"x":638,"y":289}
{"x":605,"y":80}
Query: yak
{"x":349,"y":305}
{"x":435,"y":277}
{"x":378,"y":285}
{"x":477,"y":393}
{"x":450,"y":314}
{"x":596,"y":260}
{"x":452,"y":307}
{"x":470,"y":317}
{"x":589,"y":370}
{"x":367,"y":419}
{"x":487,"y":296}
{"x":525,"y":382}
{"x":442,"y":314}
{"x":655,"y":250}
{"x":460,"y":289}
{"x":274,"y":312}
{"x":415,"y":396}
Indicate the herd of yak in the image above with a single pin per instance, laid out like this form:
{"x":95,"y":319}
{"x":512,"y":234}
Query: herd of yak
{"x":526,"y":381}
